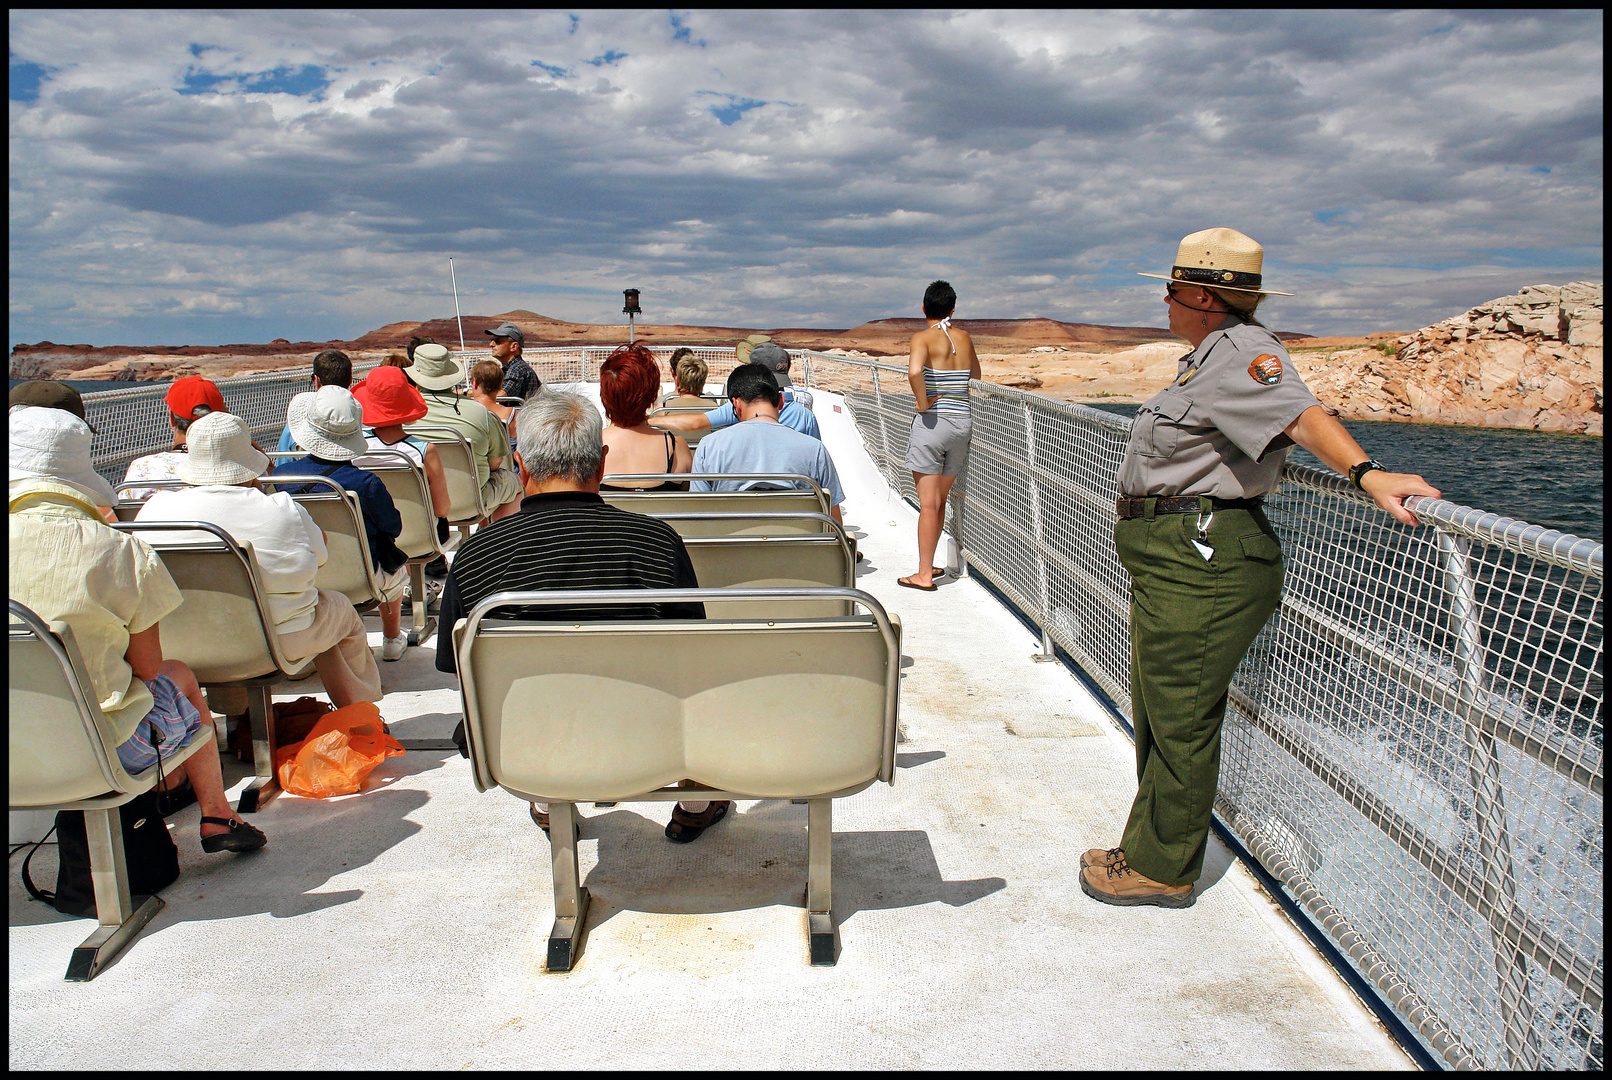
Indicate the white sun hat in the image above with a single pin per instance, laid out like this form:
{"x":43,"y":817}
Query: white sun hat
{"x":328,"y":423}
{"x":53,"y":444}
{"x":1221,"y":259}
{"x":434,"y":369}
{"x":219,"y":450}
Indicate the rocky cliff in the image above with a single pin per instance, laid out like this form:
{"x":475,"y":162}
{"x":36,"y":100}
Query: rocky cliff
{"x":1532,"y":360}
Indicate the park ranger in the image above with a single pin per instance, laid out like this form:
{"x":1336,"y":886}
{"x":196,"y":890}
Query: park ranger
{"x":1205,"y":565}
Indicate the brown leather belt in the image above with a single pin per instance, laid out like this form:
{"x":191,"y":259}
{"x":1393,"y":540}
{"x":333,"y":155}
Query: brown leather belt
{"x":1179,"y":504}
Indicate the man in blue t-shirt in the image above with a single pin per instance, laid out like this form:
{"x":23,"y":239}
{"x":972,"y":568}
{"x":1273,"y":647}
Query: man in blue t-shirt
{"x":796,"y":411}
{"x":761,"y":442}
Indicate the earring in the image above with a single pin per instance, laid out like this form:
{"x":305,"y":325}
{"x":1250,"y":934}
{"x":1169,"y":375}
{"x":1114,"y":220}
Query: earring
{"x":1203,"y":322}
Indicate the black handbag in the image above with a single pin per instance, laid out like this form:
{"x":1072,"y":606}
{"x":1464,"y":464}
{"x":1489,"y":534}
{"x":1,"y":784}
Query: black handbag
{"x":149,"y":854}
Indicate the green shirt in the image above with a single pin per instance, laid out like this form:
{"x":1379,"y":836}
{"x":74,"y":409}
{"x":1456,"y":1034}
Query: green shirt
{"x":488,"y":438}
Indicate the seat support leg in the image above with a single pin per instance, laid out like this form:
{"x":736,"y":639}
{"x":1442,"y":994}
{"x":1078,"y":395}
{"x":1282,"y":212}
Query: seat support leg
{"x":119,"y":916}
{"x":423,"y":624}
{"x":824,"y":935}
{"x":570,"y":896}
{"x":264,"y":786}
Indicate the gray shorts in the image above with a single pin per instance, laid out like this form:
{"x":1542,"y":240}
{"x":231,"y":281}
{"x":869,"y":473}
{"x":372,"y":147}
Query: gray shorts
{"x":938,"y":444}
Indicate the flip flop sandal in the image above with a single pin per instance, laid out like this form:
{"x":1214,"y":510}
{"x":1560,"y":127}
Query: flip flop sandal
{"x":905,"y":584}
{"x":539,"y":817}
{"x":685,"y":827}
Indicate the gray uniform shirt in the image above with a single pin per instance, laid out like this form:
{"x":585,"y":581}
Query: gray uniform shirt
{"x":1217,"y":429}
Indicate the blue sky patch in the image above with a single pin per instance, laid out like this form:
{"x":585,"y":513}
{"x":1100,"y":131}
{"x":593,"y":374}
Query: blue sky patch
{"x":552,"y":69}
{"x":736,"y":107}
{"x":196,"y":50}
{"x":606,"y":58}
{"x":1325,"y":217}
{"x":680,"y":32}
{"x":308,"y":81}
{"x":25,"y":80}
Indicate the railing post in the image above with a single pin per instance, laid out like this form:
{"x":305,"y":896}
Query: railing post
{"x":1039,"y":546}
{"x":885,"y":465}
{"x":1497,"y":874}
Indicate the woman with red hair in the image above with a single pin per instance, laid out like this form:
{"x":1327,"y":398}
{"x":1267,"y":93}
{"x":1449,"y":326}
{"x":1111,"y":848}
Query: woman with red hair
{"x":629,"y":379}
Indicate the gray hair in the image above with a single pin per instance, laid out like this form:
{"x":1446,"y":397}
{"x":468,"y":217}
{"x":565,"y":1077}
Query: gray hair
{"x":560,"y":434}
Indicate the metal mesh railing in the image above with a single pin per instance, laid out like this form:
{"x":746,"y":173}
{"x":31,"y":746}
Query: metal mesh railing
{"x":1414,"y":743}
{"x":1413,"y":746}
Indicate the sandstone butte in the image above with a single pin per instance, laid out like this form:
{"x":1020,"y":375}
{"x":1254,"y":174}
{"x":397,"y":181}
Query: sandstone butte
{"x":1532,"y":360}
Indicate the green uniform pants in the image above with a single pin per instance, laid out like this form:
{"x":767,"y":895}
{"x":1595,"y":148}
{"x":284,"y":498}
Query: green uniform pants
{"x":1192,"y":620}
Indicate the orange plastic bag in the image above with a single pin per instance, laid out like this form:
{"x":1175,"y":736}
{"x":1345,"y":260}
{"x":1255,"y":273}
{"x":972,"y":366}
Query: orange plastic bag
{"x":338,"y":755}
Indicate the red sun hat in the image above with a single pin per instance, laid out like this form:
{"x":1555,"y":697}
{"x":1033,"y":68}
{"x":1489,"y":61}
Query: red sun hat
{"x":186,"y":394}
{"x":388,"y":398}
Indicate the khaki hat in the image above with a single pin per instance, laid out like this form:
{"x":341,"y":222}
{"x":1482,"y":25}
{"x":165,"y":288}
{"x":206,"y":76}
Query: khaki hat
{"x":219,"y":450}
{"x":53,"y":444}
{"x":49,"y":394}
{"x":434,"y":369}
{"x":1221,"y":259}
{"x":741,"y":352}
{"x":328,"y":423}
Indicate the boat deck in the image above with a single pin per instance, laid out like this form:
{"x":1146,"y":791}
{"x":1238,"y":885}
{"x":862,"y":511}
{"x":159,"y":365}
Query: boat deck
{"x":405,"y":927}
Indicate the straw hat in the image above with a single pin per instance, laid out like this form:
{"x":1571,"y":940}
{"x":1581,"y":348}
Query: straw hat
{"x":387,"y":398}
{"x":1220,"y":258}
{"x":220,"y":451}
{"x":53,"y":444}
{"x":434,"y":369}
{"x":328,"y":423}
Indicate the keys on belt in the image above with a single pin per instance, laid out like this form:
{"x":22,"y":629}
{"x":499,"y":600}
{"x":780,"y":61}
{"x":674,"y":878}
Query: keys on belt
{"x":1180,"y":504}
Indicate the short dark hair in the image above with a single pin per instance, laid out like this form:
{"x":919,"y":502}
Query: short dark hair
{"x":488,"y":376}
{"x":940,"y":299}
{"x":332,"y":368}
{"x":182,"y":423}
{"x":415,"y":343}
{"x":753,"y":382}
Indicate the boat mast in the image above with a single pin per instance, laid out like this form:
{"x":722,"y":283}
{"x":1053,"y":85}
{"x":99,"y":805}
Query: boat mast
{"x":456,"y":314}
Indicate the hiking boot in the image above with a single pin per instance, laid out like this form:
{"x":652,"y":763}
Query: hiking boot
{"x":1119,"y":884}
{"x":1102,"y":857}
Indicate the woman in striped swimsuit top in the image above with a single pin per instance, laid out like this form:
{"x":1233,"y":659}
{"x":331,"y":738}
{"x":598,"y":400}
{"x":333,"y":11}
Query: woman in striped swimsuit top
{"x":939,"y":368}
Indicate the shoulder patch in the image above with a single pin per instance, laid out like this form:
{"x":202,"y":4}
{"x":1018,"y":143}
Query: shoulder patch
{"x":1266,"y":368}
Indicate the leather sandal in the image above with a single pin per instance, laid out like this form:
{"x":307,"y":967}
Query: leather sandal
{"x":540,"y":818}
{"x":685,"y":828}
{"x":241,"y":836}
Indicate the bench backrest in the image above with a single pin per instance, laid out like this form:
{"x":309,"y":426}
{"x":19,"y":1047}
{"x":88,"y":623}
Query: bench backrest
{"x":459,"y":466}
{"x":223,"y":629}
{"x":691,"y":437}
{"x":810,"y":497}
{"x":411,"y":493}
{"x":820,"y":560}
{"x":349,"y":568}
{"x":609,"y":710}
{"x":62,"y":748}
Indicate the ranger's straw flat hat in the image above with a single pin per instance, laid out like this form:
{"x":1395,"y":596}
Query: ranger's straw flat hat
{"x":1221,"y":258}
{"x":434,"y":369}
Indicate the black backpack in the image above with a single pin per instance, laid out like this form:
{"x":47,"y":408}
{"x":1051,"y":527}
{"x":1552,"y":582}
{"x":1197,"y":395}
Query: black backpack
{"x":149,"y":853}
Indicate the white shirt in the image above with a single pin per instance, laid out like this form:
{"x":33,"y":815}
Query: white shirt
{"x":370,"y":461}
{"x":287,"y":545}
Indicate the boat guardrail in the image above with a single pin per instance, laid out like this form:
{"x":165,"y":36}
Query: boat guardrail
{"x":1413,"y":743}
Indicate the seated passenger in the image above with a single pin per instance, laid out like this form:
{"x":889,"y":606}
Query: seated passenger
{"x":330,"y":368}
{"x":796,"y":411}
{"x":689,"y":373}
{"x":760,"y":443}
{"x":519,"y":381}
{"x":287,"y":546}
{"x":435,"y":374}
{"x":485,"y":380}
{"x":389,"y":402}
{"x":628,"y":380}
{"x":49,"y":394}
{"x":188,"y":400}
{"x":112,"y":589}
{"x":566,"y":537}
{"x":329,"y":424}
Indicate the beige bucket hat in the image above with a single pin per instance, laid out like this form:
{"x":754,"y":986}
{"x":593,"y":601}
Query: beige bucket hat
{"x":434,"y":369}
{"x":741,"y":352}
{"x":1222,"y":258}
{"x":219,"y":450}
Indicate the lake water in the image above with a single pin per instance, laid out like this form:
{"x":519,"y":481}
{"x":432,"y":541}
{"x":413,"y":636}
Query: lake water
{"x":1542,"y":477}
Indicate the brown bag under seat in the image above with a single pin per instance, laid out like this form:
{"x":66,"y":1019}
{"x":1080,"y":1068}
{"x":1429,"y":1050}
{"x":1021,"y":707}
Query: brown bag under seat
{"x":292,"y":722}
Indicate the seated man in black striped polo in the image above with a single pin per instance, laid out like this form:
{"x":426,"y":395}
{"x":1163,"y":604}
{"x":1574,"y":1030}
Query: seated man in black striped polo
{"x":566,"y":537}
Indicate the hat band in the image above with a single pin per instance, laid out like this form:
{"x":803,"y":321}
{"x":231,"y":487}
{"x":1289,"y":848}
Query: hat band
{"x":1203,"y":275}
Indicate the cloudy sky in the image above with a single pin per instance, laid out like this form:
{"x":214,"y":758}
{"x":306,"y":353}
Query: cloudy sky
{"x":196,"y":177}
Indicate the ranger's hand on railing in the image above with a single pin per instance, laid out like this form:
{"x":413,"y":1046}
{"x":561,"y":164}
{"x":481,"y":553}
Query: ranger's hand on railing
{"x":1390,"y":490}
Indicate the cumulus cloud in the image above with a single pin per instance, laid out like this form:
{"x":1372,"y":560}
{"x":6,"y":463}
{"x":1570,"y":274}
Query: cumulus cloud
{"x":207,"y":176}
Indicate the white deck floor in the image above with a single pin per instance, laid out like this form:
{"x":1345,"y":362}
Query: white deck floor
{"x":405,"y":927}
